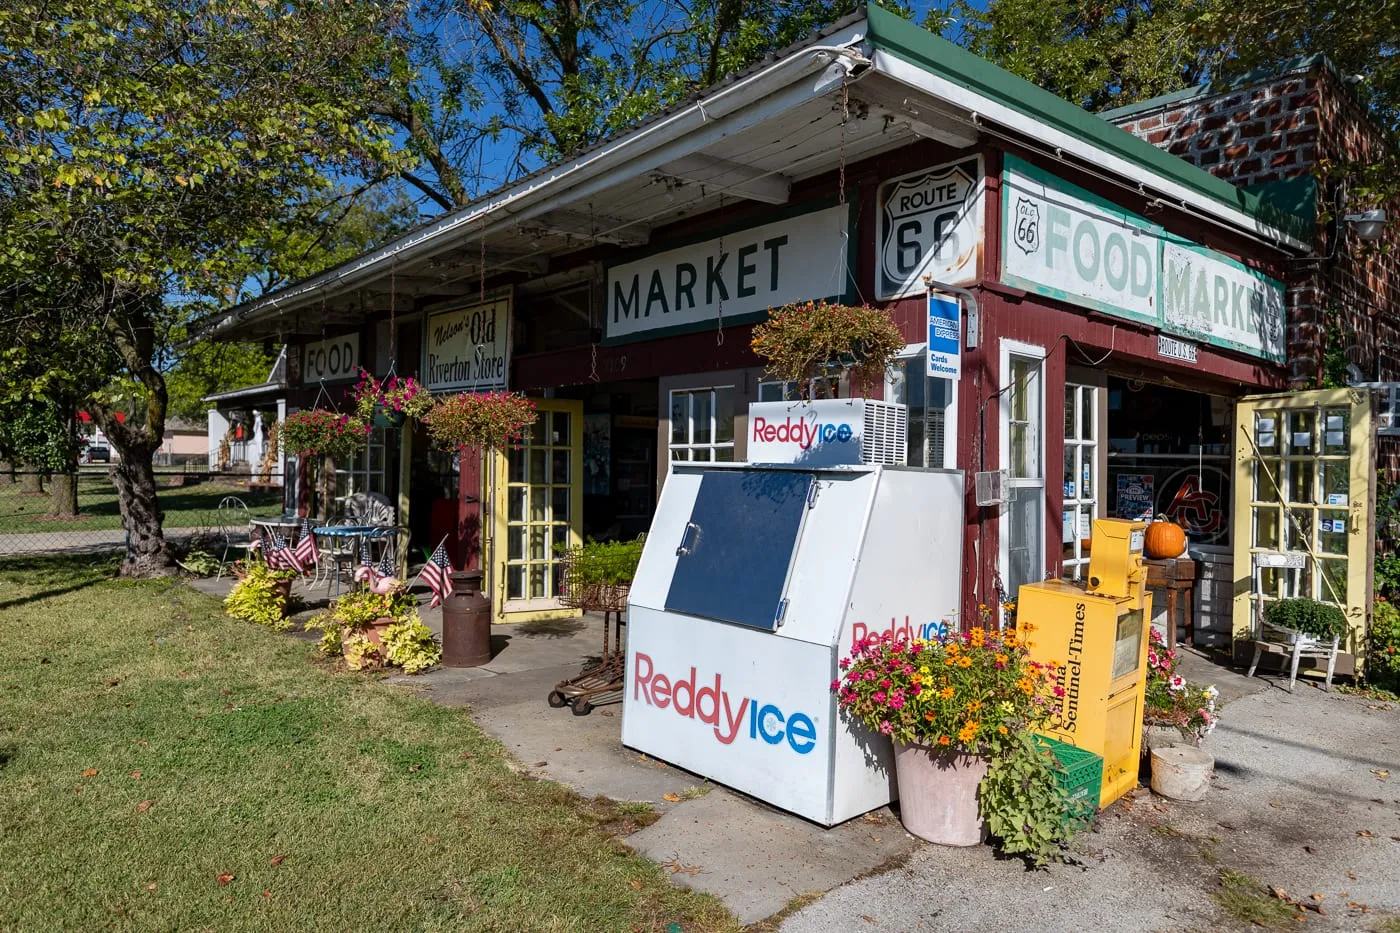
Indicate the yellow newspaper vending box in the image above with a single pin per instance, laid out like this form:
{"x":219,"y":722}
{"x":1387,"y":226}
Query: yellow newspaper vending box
{"x":1096,"y":637}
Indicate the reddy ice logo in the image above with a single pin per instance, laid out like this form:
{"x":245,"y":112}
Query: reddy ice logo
{"x":801,"y":432}
{"x":728,"y":716}
{"x":929,"y":631}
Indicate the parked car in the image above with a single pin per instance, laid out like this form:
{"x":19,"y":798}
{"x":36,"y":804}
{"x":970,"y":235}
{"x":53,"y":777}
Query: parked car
{"x":97,"y":453}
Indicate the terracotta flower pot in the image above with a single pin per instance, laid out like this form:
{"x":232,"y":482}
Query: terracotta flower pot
{"x":374,"y":634}
{"x":938,"y":794}
{"x":284,"y":589}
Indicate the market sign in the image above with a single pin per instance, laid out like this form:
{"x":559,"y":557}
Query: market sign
{"x":468,"y":346}
{"x":330,"y":360}
{"x":1063,"y":242}
{"x":930,"y":225}
{"x":734,"y":277}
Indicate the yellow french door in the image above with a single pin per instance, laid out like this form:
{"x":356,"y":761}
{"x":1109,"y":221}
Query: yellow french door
{"x":1305,"y":484}
{"x":539,"y":510}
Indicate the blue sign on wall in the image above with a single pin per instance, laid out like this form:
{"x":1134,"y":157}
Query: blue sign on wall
{"x":944,"y":337}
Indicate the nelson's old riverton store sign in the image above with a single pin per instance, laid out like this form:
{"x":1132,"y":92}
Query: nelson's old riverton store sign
{"x":1063,"y":242}
{"x":734,"y":276}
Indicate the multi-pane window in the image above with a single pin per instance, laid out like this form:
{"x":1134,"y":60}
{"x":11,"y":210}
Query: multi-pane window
{"x":929,"y":400}
{"x":819,"y":387}
{"x":1081,"y":492}
{"x":1025,"y":530}
{"x":365,"y":471}
{"x":702,"y":424}
{"x":539,"y":507}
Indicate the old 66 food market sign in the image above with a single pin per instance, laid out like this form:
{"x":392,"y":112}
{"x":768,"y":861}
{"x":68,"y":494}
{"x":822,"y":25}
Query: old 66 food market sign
{"x":468,"y":346}
{"x":1061,"y":241}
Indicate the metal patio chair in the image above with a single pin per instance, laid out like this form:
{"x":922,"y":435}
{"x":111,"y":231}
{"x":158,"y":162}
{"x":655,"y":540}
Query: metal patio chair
{"x":1286,"y":642}
{"x":235,"y":525}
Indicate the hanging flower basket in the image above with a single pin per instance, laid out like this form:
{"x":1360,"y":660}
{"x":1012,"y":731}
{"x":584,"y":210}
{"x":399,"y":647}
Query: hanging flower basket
{"x":318,"y":431}
{"x":485,"y":420}
{"x":390,"y":402}
{"x":808,"y":339}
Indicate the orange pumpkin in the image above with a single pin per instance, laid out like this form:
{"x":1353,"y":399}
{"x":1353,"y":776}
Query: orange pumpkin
{"x":1164,"y":540}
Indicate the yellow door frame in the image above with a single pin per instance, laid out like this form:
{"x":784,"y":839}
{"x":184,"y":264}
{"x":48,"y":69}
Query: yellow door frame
{"x":549,"y":608}
{"x":1359,"y":507}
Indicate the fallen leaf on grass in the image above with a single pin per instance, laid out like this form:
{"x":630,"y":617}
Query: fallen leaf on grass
{"x":678,"y":869}
{"x":539,"y":764}
{"x":151,"y":886}
{"x":223,"y":878}
{"x":1361,"y":907}
{"x":1276,"y":806}
{"x":635,"y":883}
{"x":266,"y":893}
{"x":144,"y":805}
{"x":277,"y":860}
{"x":1351,"y":875}
{"x":1318,"y":897}
{"x":1366,"y":834}
{"x":134,"y":774}
{"x":1380,"y":773}
{"x":867,"y":918}
{"x":113,"y":683}
{"x":671,"y":798}
{"x":1310,"y":850}
{"x":464,"y":756}
{"x":90,"y":772}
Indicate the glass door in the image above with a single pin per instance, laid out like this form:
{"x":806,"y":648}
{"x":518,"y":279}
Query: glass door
{"x":538,"y":507}
{"x":1305,"y":480}
{"x":1081,"y":477}
{"x":1022,"y":451}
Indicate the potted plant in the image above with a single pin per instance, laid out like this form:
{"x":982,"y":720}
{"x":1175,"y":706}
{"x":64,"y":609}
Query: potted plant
{"x":319,"y":431}
{"x":388,"y":403}
{"x":370,"y":629}
{"x":962,"y":713}
{"x":261,"y":594}
{"x":483,"y":420}
{"x":1321,"y":622}
{"x":598,"y":574}
{"x":1173,"y":709}
{"x":804,"y":340}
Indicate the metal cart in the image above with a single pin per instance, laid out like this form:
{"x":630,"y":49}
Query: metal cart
{"x":580,"y":692}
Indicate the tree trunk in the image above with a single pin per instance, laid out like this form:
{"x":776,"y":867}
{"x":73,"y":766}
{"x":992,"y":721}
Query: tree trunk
{"x":147,"y":554}
{"x":31,"y":481}
{"x":63,"y":496}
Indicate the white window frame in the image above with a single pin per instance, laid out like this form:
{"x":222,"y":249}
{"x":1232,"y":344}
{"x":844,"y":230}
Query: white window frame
{"x":691,"y":446}
{"x":950,"y":413}
{"x":1074,"y":568}
{"x":789,"y":389}
{"x":1009,"y":349}
{"x":358,"y":473}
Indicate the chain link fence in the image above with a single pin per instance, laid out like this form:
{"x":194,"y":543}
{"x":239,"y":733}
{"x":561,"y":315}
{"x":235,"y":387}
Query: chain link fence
{"x":36,"y":515}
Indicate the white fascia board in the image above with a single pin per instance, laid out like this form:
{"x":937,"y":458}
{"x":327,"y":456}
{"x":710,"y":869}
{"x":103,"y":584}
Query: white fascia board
{"x":942,"y":89}
{"x":801,"y":76}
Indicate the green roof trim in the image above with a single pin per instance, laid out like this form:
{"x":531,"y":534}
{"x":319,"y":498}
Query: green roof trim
{"x":1295,"y":195}
{"x":923,"y":49}
{"x":1223,"y":86}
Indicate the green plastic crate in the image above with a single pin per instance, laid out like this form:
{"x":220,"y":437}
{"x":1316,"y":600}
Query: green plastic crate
{"x":1081,"y":779}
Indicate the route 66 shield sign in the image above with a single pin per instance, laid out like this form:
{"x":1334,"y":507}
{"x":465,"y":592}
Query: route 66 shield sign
{"x":930,"y":225}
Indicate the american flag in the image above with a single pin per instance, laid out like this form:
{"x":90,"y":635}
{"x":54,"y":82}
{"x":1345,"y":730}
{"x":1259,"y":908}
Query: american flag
{"x":305,"y":551}
{"x":365,"y":559}
{"x":386,"y":566}
{"x":282,"y":556}
{"x":435,"y":574}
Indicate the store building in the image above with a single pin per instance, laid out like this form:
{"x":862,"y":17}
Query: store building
{"x":1122,"y":300}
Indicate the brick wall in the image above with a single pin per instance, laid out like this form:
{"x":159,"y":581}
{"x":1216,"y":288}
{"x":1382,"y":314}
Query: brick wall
{"x":1304,"y":122}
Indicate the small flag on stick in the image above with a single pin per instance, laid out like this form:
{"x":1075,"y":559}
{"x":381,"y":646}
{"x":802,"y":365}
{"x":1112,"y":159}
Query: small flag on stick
{"x":305,"y":550}
{"x":285,"y":555}
{"x":436,"y":573}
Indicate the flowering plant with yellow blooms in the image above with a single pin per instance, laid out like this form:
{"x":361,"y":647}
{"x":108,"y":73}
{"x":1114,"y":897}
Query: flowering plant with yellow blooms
{"x":970,"y":691}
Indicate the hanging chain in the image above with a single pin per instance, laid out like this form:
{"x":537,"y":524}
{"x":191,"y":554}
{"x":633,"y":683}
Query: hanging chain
{"x":393,"y":331}
{"x":593,"y":366}
{"x":719,"y":308}
{"x":845,"y":118}
{"x":481,"y":288}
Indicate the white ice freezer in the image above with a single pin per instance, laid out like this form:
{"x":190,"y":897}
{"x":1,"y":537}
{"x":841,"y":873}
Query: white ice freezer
{"x":754,"y":582}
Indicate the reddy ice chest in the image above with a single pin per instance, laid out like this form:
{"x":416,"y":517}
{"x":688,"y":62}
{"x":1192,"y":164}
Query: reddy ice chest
{"x":754,"y":582}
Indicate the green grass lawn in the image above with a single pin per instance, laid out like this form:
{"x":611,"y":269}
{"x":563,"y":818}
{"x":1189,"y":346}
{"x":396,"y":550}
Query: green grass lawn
{"x":165,"y":767}
{"x":189,"y":506}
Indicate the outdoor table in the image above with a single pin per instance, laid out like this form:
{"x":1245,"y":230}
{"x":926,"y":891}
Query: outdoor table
{"x":1175,"y":575}
{"x":286,"y":527}
{"x":350,"y":537}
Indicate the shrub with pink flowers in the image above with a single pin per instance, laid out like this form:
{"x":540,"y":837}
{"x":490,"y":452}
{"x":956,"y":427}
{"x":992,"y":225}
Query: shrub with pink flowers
{"x":401,"y":395}
{"x":1171,"y":700}
{"x":318,"y":431}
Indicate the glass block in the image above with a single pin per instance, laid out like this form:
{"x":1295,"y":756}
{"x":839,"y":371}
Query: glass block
{"x":537,"y":466}
{"x":559,"y":504}
{"x":537,"y":578}
{"x":515,"y":510}
{"x":537,"y":541}
{"x":559,"y":466}
{"x":1266,"y":473}
{"x":703,"y":411}
{"x":1266,"y":528}
{"x":515,"y":581}
{"x":539,"y":499}
{"x":515,"y":542}
{"x":1302,"y":481}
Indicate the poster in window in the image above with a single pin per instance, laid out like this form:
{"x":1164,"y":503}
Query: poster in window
{"x":1134,"y":496}
{"x":597,"y":454}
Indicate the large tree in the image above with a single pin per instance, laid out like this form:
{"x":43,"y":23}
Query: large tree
{"x":149,"y":149}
